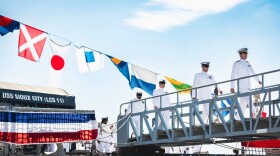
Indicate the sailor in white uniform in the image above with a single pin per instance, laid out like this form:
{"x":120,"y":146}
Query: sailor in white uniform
{"x":202,"y":79}
{"x":162,"y":102}
{"x":136,"y":106}
{"x":242,"y":68}
{"x":104,"y":136}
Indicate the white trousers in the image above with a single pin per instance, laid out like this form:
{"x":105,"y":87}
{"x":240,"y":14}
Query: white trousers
{"x":244,"y":101}
{"x":205,"y":108}
{"x":166,"y":118}
{"x":104,"y":147}
{"x":136,"y":122}
{"x":205,"y":113}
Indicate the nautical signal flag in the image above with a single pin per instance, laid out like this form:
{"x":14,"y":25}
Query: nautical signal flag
{"x":142,"y":78}
{"x":7,"y":25}
{"x":31,"y":43}
{"x":58,"y":61}
{"x":178,"y":85}
{"x":121,"y":65}
{"x":88,"y":60}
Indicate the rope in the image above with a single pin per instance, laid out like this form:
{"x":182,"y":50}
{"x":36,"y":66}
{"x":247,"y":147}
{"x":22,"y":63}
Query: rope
{"x":111,"y":143}
{"x":115,"y":122}
{"x":113,"y":132}
{"x":71,"y":41}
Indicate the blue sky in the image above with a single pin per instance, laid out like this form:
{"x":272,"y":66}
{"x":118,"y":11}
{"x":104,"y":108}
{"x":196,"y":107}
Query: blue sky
{"x":169,"y":37}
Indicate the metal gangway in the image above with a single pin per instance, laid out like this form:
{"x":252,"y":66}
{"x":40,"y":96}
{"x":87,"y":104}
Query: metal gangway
{"x":186,"y":126}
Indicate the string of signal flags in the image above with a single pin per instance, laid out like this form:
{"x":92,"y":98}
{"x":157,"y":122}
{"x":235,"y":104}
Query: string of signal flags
{"x":31,"y":44}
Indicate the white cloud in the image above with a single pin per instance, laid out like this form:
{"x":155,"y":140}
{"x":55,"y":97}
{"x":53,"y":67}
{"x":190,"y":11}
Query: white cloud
{"x":177,"y":12}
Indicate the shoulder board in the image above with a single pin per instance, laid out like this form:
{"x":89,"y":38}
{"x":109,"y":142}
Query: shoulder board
{"x":249,"y":65}
{"x":237,"y":61}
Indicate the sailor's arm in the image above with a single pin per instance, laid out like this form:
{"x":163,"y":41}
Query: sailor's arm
{"x":195,"y":84}
{"x":155,"y":99}
{"x":253,"y":73}
{"x":219,"y":89}
{"x":233,"y":76}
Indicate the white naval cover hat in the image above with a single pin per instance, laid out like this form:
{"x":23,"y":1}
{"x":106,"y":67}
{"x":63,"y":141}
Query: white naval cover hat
{"x":104,"y":117}
{"x":162,"y":81}
{"x":205,"y":63}
{"x":243,"y":50}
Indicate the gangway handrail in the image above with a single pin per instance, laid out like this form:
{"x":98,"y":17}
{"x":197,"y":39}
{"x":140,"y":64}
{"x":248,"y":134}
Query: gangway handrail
{"x":195,"y":88}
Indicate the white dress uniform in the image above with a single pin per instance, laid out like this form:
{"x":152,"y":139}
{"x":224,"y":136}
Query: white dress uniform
{"x":202,"y":79}
{"x":165,"y":102}
{"x":137,"y":106}
{"x":104,"y":136}
{"x":242,"y":68}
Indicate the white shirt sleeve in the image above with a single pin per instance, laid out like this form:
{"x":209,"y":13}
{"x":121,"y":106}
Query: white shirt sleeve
{"x":156,"y":100}
{"x":253,"y":73}
{"x":233,"y":75}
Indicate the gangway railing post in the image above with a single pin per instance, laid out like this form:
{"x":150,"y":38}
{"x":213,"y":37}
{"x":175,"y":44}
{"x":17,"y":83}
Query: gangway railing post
{"x":262,"y":81}
{"x":145,"y":116}
{"x":131,"y":107}
{"x":180,"y":114}
{"x":279,"y":94}
{"x":141,"y":126}
{"x":210,"y":115}
{"x":273,"y":113}
{"x":270,"y":118}
{"x":192,"y":117}
{"x":156,"y":124}
{"x":176,"y":108}
{"x":238,"y":86}
{"x":173,"y":122}
{"x":251,"y":112}
{"x":232,"y":112}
